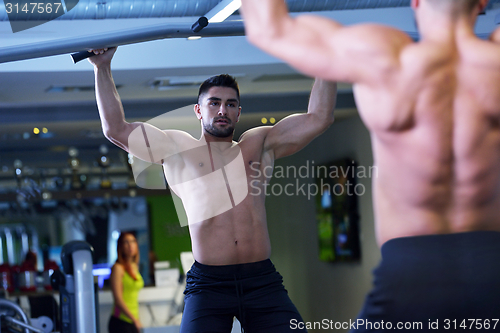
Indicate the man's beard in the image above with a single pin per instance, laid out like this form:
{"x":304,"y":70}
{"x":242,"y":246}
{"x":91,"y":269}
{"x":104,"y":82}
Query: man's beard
{"x":219,"y":132}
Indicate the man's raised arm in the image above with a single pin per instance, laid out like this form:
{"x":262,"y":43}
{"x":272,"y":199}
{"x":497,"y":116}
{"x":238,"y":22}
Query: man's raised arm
{"x":321,"y":47}
{"x":140,"y":139}
{"x":294,"y":132}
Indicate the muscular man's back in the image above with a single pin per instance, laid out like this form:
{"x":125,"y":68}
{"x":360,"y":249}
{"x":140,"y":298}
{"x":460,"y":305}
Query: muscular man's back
{"x":435,"y":124}
{"x":433,"y":111}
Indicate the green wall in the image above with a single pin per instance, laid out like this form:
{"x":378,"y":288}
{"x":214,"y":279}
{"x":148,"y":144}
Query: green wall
{"x":168,"y":238}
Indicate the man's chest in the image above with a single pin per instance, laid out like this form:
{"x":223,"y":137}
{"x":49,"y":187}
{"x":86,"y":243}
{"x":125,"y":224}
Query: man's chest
{"x":212,"y":159}
{"x":210,"y":180}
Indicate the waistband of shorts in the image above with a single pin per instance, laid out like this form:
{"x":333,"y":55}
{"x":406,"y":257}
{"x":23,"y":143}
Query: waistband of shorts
{"x":456,"y":245}
{"x":252,"y":268}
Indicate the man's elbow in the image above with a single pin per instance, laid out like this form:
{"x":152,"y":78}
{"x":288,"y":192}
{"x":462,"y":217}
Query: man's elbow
{"x":330,"y":120}
{"x":323,"y":122}
{"x":264,"y":36}
{"x":326,"y":122}
{"x":259,"y":37}
{"x":116,"y":130}
{"x":109,"y":133}
{"x":113,"y":136}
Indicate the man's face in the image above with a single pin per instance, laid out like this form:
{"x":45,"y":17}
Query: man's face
{"x":219,"y":111}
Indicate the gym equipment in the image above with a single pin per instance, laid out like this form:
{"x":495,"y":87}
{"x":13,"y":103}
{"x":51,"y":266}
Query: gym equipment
{"x":14,"y":318}
{"x":78,"y":298}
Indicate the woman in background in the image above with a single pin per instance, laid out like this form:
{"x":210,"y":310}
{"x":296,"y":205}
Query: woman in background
{"x":126,"y":281}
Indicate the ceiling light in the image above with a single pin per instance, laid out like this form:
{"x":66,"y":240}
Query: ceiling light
{"x":72,"y":89}
{"x":223,"y":10}
{"x":194,"y":37}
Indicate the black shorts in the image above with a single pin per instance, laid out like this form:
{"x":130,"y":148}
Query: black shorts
{"x":116,"y":325}
{"x":253,"y":293}
{"x":448,"y":280}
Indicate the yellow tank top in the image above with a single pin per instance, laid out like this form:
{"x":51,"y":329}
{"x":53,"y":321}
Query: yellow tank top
{"x":130,"y":296}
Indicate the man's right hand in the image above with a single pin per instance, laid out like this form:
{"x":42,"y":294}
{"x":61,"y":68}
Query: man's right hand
{"x":102,"y":56}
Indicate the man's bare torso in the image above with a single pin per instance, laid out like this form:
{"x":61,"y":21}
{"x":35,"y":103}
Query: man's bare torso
{"x":215,"y":173}
{"x":434,"y":120}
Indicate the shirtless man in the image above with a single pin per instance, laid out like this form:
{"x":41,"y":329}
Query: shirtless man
{"x":232,"y":275}
{"x":433,"y":111}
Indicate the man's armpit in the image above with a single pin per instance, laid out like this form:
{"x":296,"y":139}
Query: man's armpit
{"x":255,"y":134}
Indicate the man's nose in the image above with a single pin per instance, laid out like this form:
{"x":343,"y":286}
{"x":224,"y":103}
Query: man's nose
{"x":222,"y":110}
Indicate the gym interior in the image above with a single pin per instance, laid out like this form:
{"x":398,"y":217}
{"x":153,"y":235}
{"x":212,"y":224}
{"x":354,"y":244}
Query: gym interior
{"x":66,"y":192}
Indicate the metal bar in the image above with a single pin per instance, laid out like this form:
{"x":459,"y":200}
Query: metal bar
{"x":9,"y":245}
{"x":137,"y":35}
{"x":14,"y":306}
{"x":13,"y":321}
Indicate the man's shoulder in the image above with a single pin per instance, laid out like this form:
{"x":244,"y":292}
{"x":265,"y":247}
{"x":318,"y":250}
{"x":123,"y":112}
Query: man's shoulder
{"x":495,"y":36}
{"x":380,"y":35}
{"x":181,"y":138}
{"x":252,"y":142}
{"x":179,"y":134}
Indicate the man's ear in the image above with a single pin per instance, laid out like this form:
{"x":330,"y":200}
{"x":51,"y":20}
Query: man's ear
{"x":415,"y":4}
{"x":239,"y":114}
{"x":197,"y":111}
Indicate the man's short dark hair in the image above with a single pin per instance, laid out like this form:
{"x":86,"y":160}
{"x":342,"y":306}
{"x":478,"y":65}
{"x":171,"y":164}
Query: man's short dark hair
{"x":223,"y":80}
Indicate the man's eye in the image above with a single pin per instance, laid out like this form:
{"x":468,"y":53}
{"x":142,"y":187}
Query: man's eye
{"x":231,"y":105}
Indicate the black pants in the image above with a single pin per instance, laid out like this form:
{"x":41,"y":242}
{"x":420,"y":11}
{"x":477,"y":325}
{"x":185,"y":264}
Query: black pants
{"x":438,"y":283}
{"x":253,"y":293}
{"x":116,"y":325}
